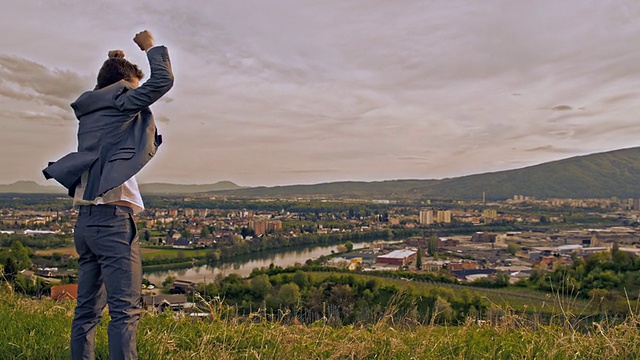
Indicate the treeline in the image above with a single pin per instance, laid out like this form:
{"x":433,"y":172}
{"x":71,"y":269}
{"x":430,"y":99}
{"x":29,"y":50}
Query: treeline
{"x":341,"y":299}
{"x":287,"y":206}
{"x":46,"y":202}
{"x":40,"y":242}
{"x":611,"y":279}
{"x":12,"y":261}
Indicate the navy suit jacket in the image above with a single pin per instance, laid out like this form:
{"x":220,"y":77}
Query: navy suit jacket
{"x":117,"y":135}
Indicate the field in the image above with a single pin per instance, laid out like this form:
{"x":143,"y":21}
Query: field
{"x":39,"y":329}
{"x":69,"y":250}
{"x":170,"y":253}
{"x":147,"y":253}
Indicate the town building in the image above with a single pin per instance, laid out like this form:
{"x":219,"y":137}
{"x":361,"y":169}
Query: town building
{"x":426,"y":217}
{"x":397,"y":257}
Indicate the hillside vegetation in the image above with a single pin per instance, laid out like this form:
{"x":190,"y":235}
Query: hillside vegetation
{"x":39,"y":329}
{"x":602,"y":175}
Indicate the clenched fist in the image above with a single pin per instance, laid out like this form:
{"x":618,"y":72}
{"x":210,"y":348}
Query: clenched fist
{"x":144,"y":40}
{"x":116,"y":54}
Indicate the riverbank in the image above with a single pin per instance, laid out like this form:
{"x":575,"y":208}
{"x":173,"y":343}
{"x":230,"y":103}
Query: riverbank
{"x":242,"y":265}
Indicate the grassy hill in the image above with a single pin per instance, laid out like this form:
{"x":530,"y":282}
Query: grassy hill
{"x":39,"y":329}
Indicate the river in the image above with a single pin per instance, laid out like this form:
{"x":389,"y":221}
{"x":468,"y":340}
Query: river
{"x":245,"y":264}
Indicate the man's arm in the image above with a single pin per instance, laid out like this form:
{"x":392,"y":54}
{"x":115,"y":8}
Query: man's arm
{"x":160,"y":81}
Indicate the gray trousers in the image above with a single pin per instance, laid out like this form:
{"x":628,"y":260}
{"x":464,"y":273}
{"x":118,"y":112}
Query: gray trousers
{"x":109,"y":272}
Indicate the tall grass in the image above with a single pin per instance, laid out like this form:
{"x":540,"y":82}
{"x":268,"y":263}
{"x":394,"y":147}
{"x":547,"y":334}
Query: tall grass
{"x":39,"y":329}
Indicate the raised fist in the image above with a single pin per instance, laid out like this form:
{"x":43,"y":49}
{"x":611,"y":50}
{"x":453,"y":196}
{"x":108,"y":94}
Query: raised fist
{"x":116,"y":54}
{"x":144,"y":40}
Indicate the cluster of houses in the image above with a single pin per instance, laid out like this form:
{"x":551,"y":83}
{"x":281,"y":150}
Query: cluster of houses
{"x":483,"y":254}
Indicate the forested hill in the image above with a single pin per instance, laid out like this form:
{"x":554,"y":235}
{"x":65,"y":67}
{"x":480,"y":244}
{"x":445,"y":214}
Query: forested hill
{"x":601,"y":175}
{"x":164,"y":188}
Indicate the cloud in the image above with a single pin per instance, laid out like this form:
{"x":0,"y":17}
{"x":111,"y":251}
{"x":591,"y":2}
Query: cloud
{"x":562,"y":108}
{"x":313,"y":171}
{"x":163,"y":119}
{"x":616,"y":99}
{"x":552,"y":149}
{"x":52,"y":118}
{"x":25,"y":80}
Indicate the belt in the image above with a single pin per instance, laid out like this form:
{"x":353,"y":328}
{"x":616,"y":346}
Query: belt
{"x":104,"y":209}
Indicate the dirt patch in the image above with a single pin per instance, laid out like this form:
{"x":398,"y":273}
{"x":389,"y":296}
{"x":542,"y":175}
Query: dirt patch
{"x":147,"y":250}
{"x":62,"y":251}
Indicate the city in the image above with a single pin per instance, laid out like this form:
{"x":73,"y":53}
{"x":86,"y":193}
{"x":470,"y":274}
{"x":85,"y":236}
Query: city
{"x":470,"y":242}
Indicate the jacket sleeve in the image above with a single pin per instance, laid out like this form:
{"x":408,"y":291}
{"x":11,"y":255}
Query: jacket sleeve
{"x":159,"y":83}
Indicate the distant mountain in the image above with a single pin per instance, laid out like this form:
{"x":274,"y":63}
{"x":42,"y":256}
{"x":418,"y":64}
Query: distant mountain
{"x":356,"y":189}
{"x":31,"y":187}
{"x":163,"y":188}
{"x":601,"y":175}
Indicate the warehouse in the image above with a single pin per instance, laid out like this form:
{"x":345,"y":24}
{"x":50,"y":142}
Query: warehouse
{"x":397,"y":257}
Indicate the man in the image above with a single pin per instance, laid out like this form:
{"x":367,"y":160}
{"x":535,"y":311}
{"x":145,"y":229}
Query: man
{"x":116,"y":137}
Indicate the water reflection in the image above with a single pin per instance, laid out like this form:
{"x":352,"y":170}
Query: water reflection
{"x":245,"y":264}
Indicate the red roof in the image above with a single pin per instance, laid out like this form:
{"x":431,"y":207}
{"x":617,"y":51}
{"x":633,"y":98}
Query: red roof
{"x":64,"y":292}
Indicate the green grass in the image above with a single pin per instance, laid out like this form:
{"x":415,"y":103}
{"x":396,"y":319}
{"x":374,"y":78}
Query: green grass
{"x":39,"y":329}
{"x":512,"y":298}
{"x":149,"y":253}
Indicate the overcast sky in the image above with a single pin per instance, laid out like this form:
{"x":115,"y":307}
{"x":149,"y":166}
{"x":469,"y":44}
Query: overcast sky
{"x":293,"y":91}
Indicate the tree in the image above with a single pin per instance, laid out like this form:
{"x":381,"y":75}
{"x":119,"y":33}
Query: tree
{"x":205,"y":232}
{"x":10,"y":269}
{"x":245,"y":231}
{"x":513,"y":248}
{"x":301,"y":279}
{"x":289,"y":295}
{"x":433,"y":245}
{"x":166,"y":284}
{"x":349,"y":246}
{"x":419,"y":259}
{"x":21,"y":255}
{"x":261,"y":286}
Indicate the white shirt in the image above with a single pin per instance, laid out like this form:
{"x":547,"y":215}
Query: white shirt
{"x":127,"y":192}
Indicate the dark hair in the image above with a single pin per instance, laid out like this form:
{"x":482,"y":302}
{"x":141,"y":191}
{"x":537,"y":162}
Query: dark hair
{"x":116,"y":69}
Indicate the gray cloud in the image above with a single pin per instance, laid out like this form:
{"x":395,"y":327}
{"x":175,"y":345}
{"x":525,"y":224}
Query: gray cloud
{"x":371,"y":90}
{"x":552,"y":149}
{"x":311,"y":171}
{"x":51,"y":118}
{"x":163,"y":119}
{"x":617,"y":99}
{"x":25,"y":80}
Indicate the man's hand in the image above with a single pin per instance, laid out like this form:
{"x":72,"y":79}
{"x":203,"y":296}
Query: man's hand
{"x":144,"y":40}
{"x":116,"y":54}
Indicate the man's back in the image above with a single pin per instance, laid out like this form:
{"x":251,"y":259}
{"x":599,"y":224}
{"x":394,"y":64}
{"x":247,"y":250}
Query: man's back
{"x":117,"y":134}
{"x":117,"y":137}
